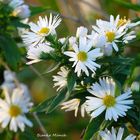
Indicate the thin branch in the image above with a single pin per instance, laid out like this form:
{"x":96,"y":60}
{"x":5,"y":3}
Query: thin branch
{"x":34,"y":70}
{"x":41,"y":126}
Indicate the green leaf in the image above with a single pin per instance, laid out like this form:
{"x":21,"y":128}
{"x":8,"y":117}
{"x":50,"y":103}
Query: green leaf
{"x":136,"y":98}
{"x":71,"y":79}
{"x":51,"y":104}
{"x":42,"y":107}
{"x":10,"y":51}
{"x":17,"y":23}
{"x":93,"y":127}
{"x":62,"y":95}
{"x":128,"y":5}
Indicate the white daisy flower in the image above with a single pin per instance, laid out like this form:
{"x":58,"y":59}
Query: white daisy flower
{"x":81,"y":32}
{"x":84,"y":56}
{"x":114,"y":30}
{"x":104,"y":100}
{"x":74,"y":104}
{"x":61,"y":79}
{"x":110,"y":31}
{"x":13,"y":110}
{"x":113,"y":135}
{"x":34,"y":53}
{"x":22,"y":11}
{"x":40,"y":30}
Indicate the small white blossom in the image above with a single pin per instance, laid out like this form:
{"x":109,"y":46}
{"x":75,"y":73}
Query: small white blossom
{"x":34,"y":53}
{"x":74,"y":104}
{"x":61,"y":79}
{"x":113,"y":135}
{"x":135,"y":86}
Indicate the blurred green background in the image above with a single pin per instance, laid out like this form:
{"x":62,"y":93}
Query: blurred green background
{"x":74,"y":13}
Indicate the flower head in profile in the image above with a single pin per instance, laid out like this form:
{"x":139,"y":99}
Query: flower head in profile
{"x":104,"y":99}
{"x":113,"y":135}
{"x":84,"y":56}
{"x":13,"y":110}
{"x":74,"y":105}
{"x":40,"y":30}
{"x":34,"y":53}
{"x":61,"y":78}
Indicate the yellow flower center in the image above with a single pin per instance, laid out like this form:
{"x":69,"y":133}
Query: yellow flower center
{"x":44,"y":30}
{"x":109,"y":101}
{"x":82,"y":56}
{"x":14,"y":110}
{"x":122,"y":21}
{"x":110,"y":36}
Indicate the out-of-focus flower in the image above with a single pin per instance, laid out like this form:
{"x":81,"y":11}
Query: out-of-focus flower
{"x":61,"y":79}
{"x":105,"y":99}
{"x":113,"y":135}
{"x":22,"y":11}
{"x":40,"y":30}
{"x":10,"y":83}
{"x":13,"y":110}
{"x":15,"y":3}
{"x":74,"y":104}
{"x":84,"y":56}
{"x":34,"y":53}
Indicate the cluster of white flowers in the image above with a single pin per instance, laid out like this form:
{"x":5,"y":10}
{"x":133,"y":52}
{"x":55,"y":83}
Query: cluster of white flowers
{"x":20,"y":9}
{"x":82,"y":53}
{"x":15,"y":105}
{"x":35,"y":39}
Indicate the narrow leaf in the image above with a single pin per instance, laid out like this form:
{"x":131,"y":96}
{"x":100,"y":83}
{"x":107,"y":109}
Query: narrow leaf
{"x":128,"y":5}
{"x":93,"y":127}
{"x":57,"y":100}
{"x":71,"y":79}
